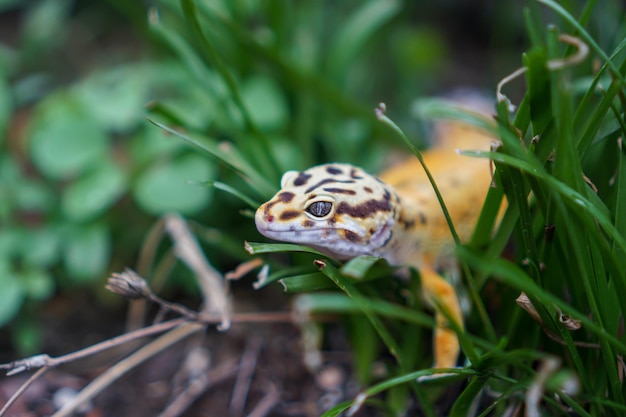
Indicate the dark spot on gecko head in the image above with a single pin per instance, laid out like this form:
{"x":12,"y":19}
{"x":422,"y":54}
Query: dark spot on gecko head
{"x":351,"y":236}
{"x":353,"y":174}
{"x":333,"y":170}
{"x":332,"y":220}
{"x":387,"y":195}
{"x":302,"y":179}
{"x":423,"y":218}
{"x":363,"y":210}
{"x":286,"y":196}
{"x":289,"y":214}
{"x":339,"y":191}
{"x":268,"y":206}
{"x":327,"y":181}
{"x":308,"y":223}
{"x":368,"y":190}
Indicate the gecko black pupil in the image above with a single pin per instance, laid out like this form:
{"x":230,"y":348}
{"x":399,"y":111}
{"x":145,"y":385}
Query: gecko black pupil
{"x":319,"y":208}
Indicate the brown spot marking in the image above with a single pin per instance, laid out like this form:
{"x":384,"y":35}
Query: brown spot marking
{"x":363,"y":210}
{"x":302,"y":179}
{"x":308,"y":223}
{"x":326,"y":181}
{"x":333,"y":170}
{"x":351,"y":236}
{"x":333,"y":220}
{"x":423,"y":219}
{"x":289,"y":214}
{"x":353,"y":174}
{"x":339,"y":191}
{"x":407,"y":224}
{"x":368,"y":190}
{"x":286,"y":196}
{"x":268,"y":206}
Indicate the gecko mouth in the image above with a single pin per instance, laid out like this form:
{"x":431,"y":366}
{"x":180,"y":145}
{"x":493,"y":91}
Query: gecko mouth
{"x":294,"y":235}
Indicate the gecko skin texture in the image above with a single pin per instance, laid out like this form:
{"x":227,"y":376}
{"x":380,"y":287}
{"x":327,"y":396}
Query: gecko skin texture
{"x":344,"y":212}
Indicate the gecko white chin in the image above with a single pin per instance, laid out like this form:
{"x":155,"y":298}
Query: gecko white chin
{"x":327,"y":241}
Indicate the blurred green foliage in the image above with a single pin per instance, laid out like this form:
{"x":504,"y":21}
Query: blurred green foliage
{"x":261,"y":87}
{"x":82,"y":174}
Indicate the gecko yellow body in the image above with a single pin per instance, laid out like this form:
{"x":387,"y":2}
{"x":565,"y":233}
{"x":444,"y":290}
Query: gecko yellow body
{"x":344,"y":212}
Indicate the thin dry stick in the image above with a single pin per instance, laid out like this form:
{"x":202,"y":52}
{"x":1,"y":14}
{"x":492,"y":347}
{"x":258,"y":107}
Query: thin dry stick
{"x":547,"y":367}
{"x":212,"y":284}
{"x":23,"y":388}
{"x":43,"y":360}
{"x":198,"y":387}
{"x":215,"y":300}
{"x":267,"y":403}
{"x":244,"y":377}
{"x":122,"y":367}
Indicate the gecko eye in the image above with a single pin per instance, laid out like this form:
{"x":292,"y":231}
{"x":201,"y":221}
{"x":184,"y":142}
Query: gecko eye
{"x":319,"y":208}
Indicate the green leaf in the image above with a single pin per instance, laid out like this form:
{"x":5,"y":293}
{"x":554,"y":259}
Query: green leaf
{"x":86,"y":252}
{"x":41,"y":247}
{"x":337,"y":410}
{"x":359,"y":266}
{"x":63,"y":140}
{"x":255,"y":248}
{"x":45,"y":24}
{"x":468,"y":396}
{"x":232,"y":191}
{"x":357,"y":30}
{"x":150,"y":143}
{"x":38,"y":283}
{"x":437,"y":108}
{"x":34,"y":196}
{"x":115,"y":98}
{"x":94,"y":193}
{"x":26,"y":335}
{"x":306,"y":283}
{"x":226,"y":154}
{"x":268,"y":109}
{"x":10,"y":241}
{"x":12,"y":294}
{"x":165,"y":187}
{"x":6,"y":105}
{"x":365,"y":305}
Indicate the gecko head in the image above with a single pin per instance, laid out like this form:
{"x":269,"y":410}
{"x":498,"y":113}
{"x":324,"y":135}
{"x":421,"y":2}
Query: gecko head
{"x":338,"y":209}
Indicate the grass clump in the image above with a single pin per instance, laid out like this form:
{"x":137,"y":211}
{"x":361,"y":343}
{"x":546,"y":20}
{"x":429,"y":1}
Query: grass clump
{"x":269,"y":88}
{"x":560,"y":167}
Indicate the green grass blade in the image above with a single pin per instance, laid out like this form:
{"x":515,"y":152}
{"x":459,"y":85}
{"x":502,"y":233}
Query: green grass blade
{"x":356,"y":31}
{"x":232,"y":191}
{"x":228,"y":155}
{"x":365,"y":307}
{"x":255,"y":248}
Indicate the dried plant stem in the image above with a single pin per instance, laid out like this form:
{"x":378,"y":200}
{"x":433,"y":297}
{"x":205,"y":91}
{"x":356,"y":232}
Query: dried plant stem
{"x":122,"y":367}
{"x":23,"y":388}
{"x":40,"y":361}
{"x":211,"y":282}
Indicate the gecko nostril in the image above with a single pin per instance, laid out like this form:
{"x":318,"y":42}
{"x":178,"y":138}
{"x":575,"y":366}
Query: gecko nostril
{"x":270,"y":218}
